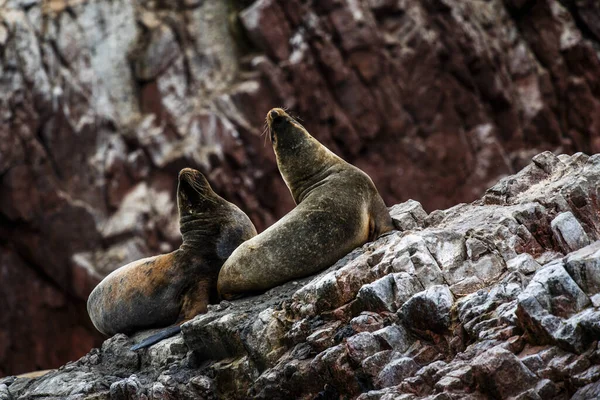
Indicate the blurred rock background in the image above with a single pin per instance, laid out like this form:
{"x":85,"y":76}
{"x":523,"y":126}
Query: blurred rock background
{"x":102,"y":102}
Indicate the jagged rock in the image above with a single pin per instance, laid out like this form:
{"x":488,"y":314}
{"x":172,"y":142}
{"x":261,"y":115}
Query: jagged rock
{"x":501,"y":373}
{"x":373,"y":365}
{"x":394,"y":337}
{"x":588,"y":392}
{"x":523,"y":263}
{"x":362,"y":345}
{"x":391,"y":319}
{"x":395,"y":371}
{"x":408,"y":215}
{"x":127,"y":389}
{"x":548,"y":308}
{"x":4,"y":393}
{"x":428,"y":310}
{"x":99,"y":96}
{"x":366,"y":321}
{"x":568,"y":232}
{"x":584,"y":267}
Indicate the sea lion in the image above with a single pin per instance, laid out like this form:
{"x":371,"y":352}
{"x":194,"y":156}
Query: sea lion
{"x":162,"y":290}
{"x":338,"y":209}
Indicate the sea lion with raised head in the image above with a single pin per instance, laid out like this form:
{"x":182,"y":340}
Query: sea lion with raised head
{"x":338,"y":209}
{"x":169,"y":288}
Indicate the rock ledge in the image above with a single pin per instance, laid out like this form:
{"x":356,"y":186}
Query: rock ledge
{"x":498,"y":298}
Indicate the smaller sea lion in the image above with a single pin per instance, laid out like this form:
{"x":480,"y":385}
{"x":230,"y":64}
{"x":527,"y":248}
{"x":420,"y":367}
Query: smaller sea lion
{"x":338,"y":209}
{"x":162,"y":290}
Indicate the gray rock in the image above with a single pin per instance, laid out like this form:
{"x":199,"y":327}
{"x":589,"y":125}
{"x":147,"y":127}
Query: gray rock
{"x":203,"y":386}
{"x":322,"y":339}
{"x":166,"y":352}
{"x":475,"y":248}
{"x":501,"y":374}
{"x":394,"y":337}
{"x":588,"y":376}
{"x":396,"y":371}
{"x":4,"y":393}
{"x":568,"y":232}
{"x":533,"y":362}
{"x":584,"y":267}
{"x":412,"y":256}
{"x":548,"y":162}
{"x":405,"y":286}
{"x":214,"y":336}
{"x":263,"y":340}
{"x":159,"y":392}
{"x":588,"y":392}
{"x":428,"y":310}
{"x":361,"y":346}
{"x":117,"y":356}
{"x":408,"y":215}
{"x":127,"y":389}
{"x":64,"y":384}
{"x":372,"y":365}
{"x":158,"y":54}
{"x":367,"y":322}
{"x":523,"y":263}
{"x":388,"y":293}
{"x":447,"y":247}
{"x":379,"y":295}
{"x":314,"y":337}
{"x":546,"y":304}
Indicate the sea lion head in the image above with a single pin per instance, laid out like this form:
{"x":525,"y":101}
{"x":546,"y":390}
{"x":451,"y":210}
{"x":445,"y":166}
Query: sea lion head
{"x":194,"y":194}
{"x":301,"y":159}
{"x":286,"y":133}
{"x":209,"y":223}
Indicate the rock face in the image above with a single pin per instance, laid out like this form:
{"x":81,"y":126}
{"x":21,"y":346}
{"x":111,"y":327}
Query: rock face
{"x":479,"y":301}
{"x":104,"y":101}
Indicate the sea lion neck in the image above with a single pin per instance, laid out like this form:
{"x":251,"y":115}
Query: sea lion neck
{"x":200,"y":210}
{"x":302,"y":161}
{"x":197,"y":229}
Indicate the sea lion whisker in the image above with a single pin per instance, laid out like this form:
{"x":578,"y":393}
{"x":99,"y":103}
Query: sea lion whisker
{"x":264,"y":133}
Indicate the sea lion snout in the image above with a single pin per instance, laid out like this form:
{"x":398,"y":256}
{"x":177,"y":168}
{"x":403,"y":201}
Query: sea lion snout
{"x":275,"y":116}
{"x":187,"y":173}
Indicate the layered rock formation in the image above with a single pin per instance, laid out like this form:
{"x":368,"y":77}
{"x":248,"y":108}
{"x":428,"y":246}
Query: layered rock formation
{"x":103,"y":101}
{"x":495,"y":299}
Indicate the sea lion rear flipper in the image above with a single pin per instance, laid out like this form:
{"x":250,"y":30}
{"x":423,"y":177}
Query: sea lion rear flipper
{"x":164,"y":334}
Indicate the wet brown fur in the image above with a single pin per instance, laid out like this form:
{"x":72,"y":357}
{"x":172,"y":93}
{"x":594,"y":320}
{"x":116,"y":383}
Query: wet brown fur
{"x":162,"y":290}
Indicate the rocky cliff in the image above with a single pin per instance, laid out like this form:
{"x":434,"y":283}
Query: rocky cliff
{"x":102,"y":101}
{"x":494,"y":299}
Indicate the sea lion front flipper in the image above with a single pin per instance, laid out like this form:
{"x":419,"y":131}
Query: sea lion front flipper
{"x":196,"y":300}
{"x":157,"y":337}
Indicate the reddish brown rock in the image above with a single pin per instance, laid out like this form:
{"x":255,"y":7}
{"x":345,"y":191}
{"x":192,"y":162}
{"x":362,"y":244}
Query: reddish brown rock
{"x":434,"y":100}
{"x":520,"y":333}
